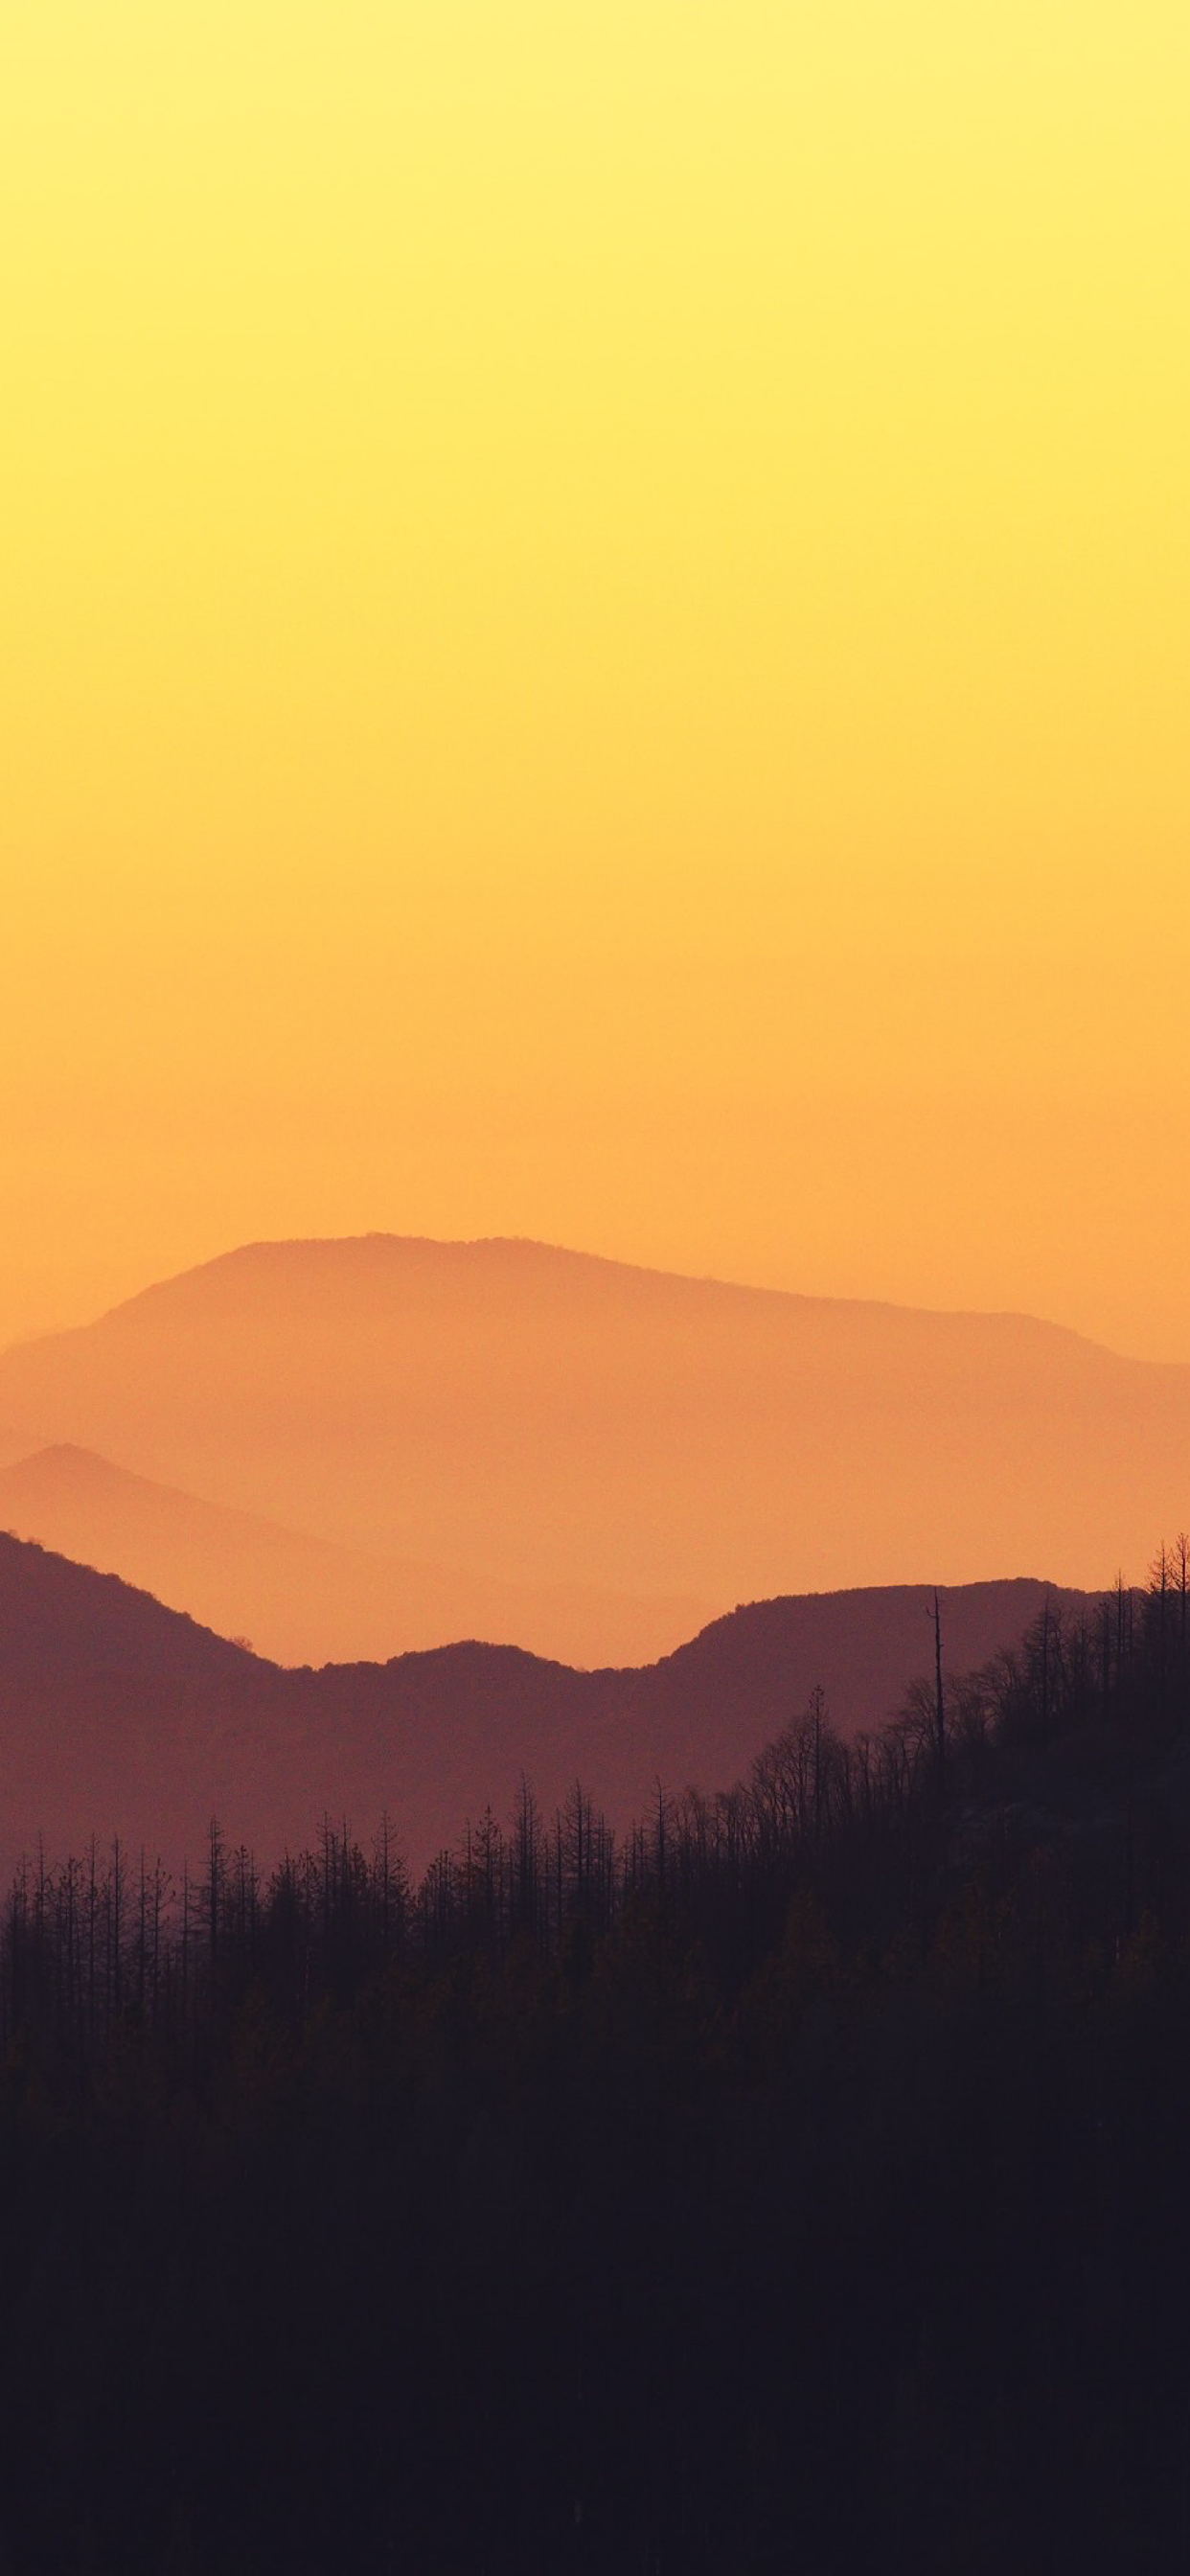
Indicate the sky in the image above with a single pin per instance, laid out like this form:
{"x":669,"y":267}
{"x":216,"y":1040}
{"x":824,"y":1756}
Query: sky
{"x":595,"y":640}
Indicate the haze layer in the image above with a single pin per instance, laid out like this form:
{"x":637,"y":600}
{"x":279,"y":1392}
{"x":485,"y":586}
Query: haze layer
{"x":306,"y":1600}
{"x":539,"y":1418}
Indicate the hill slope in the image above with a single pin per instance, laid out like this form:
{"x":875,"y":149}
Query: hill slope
{"x":544,"y":1418}
{"x":118,"y":1714}
{"x":309,"y":1600}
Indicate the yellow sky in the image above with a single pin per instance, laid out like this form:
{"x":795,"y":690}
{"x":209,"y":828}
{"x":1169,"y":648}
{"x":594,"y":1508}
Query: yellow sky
{"x":595,"y":639}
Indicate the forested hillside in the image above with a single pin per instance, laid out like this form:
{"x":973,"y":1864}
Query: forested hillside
{"x":791,"y":2181}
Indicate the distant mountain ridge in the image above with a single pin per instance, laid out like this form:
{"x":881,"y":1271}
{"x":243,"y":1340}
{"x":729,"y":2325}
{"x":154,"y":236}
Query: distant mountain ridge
{"x":549,"y":1420}
{"x":119,"y":1715}
{"x":248,"y":1272}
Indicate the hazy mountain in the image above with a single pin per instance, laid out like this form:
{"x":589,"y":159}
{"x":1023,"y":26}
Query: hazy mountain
{"x":118,"y":1714}
{"x":307,"y":1600}
{"x":545,"y":1418}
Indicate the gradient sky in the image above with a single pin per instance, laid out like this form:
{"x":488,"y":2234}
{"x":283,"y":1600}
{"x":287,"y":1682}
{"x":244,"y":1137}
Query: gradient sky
{"x":595,"y":640}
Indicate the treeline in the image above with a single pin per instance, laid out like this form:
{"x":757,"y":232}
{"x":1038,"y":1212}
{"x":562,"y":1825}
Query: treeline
{"x":113,"y":1935}
{"x":796,"y":2180}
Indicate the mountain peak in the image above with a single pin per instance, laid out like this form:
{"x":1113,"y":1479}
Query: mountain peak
{"x":349,"y":1266}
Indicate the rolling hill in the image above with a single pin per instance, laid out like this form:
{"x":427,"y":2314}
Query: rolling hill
{"x":117,"y":1714}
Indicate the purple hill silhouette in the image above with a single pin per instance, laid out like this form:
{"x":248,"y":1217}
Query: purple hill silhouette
{"x":119,"y":1715}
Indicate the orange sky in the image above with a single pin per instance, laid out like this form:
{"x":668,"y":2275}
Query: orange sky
{"x":595,"y":640}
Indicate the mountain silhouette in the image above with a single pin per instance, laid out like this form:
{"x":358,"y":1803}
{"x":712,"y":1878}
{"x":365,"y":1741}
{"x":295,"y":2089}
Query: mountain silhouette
{"x":544,"y":1418}
{"x":308,"y":1600}
{"x":119,"y":1715}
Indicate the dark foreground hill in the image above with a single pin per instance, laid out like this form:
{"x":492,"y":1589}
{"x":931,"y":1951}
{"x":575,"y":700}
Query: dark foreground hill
{"x":118,"y":1715}
{"x":791,"y":2188}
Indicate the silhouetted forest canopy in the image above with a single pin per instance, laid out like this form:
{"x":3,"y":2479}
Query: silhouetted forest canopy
{"x":800,"y":2180}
